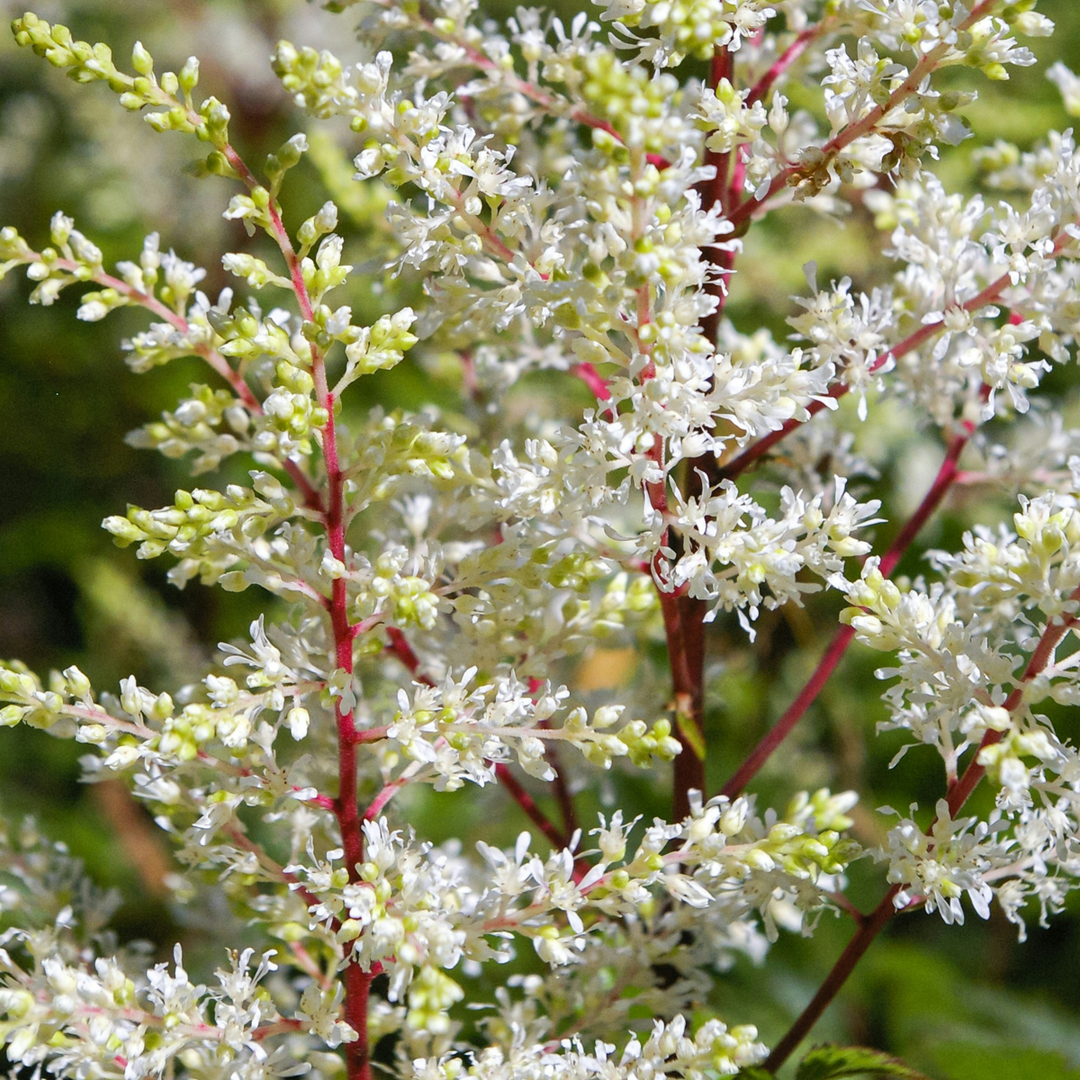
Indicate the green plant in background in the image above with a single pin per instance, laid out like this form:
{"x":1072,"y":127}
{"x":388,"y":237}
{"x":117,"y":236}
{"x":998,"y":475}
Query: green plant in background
{"x":517,"y":589}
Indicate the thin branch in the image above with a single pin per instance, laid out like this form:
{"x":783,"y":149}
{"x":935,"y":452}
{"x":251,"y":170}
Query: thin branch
{"x":836,"y":978}
{"x":788,"y":57}
{"x":592,"y":379}
{"x":346,"y":808}
{"x":312,"y":498}
{"x":537,"y":816}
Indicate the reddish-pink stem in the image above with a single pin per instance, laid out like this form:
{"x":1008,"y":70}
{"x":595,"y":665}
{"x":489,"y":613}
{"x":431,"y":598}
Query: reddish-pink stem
{"x":537,"y":816}
{"x":563,"y":796}
{"x":373,"y":734}
{"x":794,"y":713}
{"x":346,"y":808}
{"x":836,"y":978}
{"x":787,"y":58}
{"x":713,"y":194}
{"x":357,"y":989}
{"x":375,"y":807}
{"x":592,"y":379}
{"x":400,"y":647}
{"x":683,"y":653}
{"x":357,"y":981}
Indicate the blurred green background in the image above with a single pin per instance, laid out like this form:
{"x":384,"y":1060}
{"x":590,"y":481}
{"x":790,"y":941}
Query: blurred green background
{"x":959,"y":1003}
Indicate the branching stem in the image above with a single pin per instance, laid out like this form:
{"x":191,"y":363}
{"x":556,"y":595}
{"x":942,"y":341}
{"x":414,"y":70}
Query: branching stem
{"x":346,"y":808}
{"x":957,"y":795}
{"x":865,"y":125}
{"x":842,"y":639}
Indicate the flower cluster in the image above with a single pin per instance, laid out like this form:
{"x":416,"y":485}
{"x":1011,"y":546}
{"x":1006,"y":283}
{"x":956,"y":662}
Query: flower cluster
{"x":626,"y":464}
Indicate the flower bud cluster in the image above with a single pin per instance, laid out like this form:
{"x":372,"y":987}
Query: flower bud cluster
{"x":743,"y":566}
{"x":139,"y":727}
{"x":460,"y":730}
{"x":669,"y":1051}
{"x":210,"y":422}
{"x":292,"y":412}
{"x":94,"y":63}
{"x":636,"y":106}
{"x":73,"y":258}
{"x":530,"y":603}
{"x":317,"y":80}
{"x":942,"y":865}
{"x":687,"y":28}
{"x":379,"y":348}
{"x":408,"y":909}
{"x":189,"y":527}
{"x":726,"y":118}
{"x":88,"y":1018}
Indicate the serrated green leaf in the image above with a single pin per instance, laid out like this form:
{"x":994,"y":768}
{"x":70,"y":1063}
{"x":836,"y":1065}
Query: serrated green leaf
{"x":833,"y":1062}
{"x":754,"y":1072}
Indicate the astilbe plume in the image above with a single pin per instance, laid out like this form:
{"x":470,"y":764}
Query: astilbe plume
{"x":574,"y":198}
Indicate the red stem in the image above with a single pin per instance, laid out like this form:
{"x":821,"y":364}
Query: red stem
{"x":528,"y":804}
{"x":400,"y":647}
{"x":562,"y":789}
{"x":357,"y":989}
{"x":787,"y":58}
{"x":388,"y":792}
{"x":357,"y":981}
{"x":689,"y":768}
{"x":346,"y":808}
{"x":836,"y":978}
{"x":795,"y":712}
{"x":592,"y":379}
{"x":713,"y":192}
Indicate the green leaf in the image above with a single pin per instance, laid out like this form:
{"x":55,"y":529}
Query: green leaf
{"x":973,"y":1061}
{"x":829,"y":1062}
{"x":753,"y":1072}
